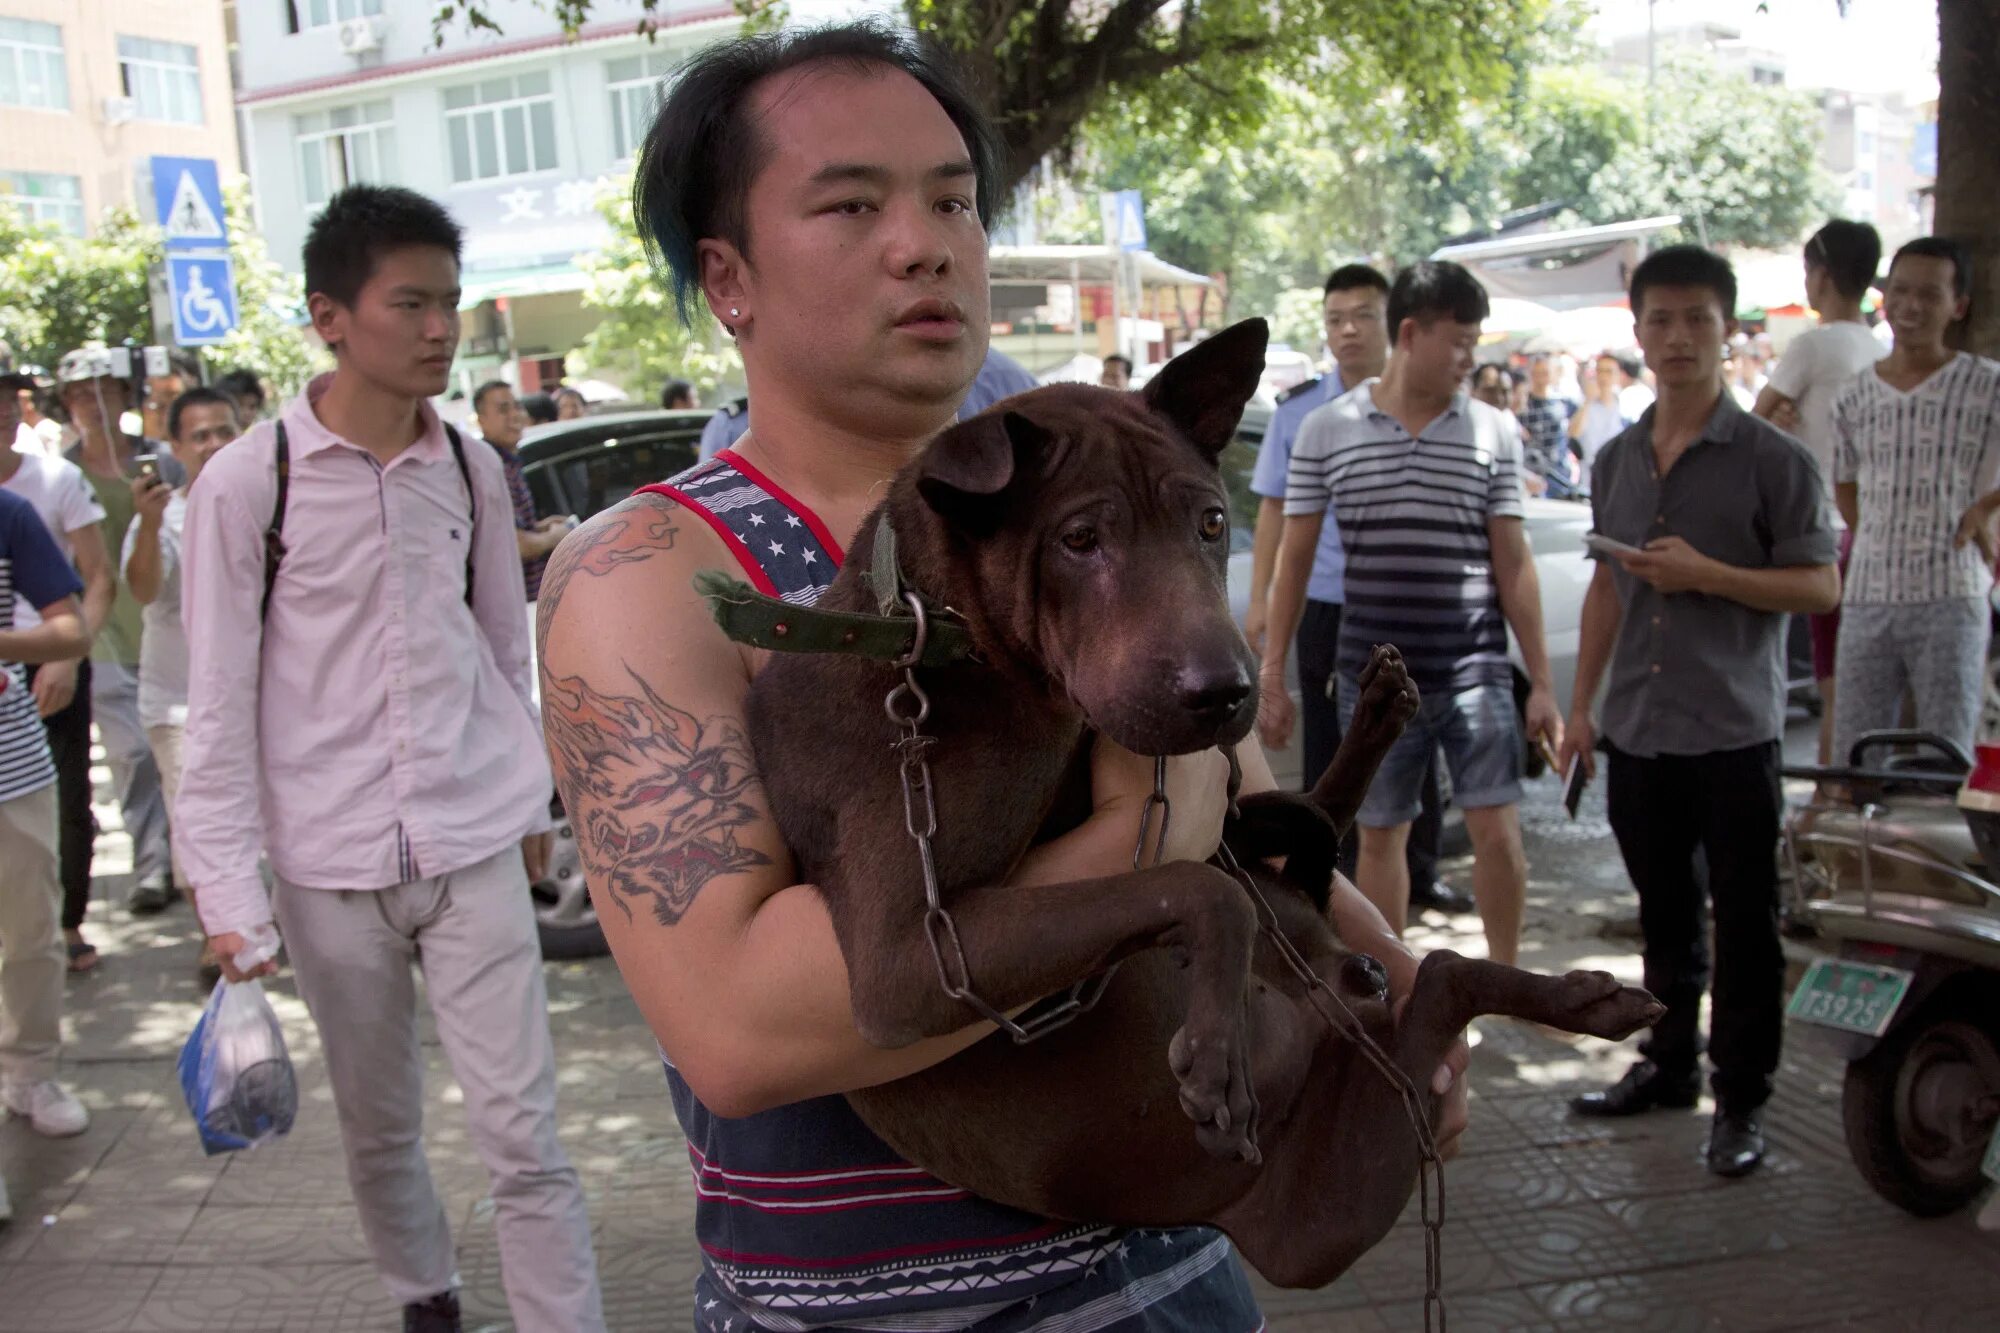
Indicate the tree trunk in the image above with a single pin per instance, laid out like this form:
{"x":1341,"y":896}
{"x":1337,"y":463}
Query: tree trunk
{"x":1968,"y":179}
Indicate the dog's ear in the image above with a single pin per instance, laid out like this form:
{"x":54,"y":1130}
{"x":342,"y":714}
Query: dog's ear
{"x":1203,"y":390}
{"x":975,"y":461}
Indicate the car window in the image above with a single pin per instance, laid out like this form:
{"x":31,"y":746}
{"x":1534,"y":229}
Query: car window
{"x":601,"y":476}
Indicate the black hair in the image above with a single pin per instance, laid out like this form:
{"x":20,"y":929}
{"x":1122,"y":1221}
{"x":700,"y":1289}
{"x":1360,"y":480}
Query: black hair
{"x":362,"y":223}
{"x":1349,"y":276}
{"x":1943,"y":247}
{"x":242,"y":383}
{"x":1506,"y":376}
{"x":479,"y":394}
{"x":1685,"y":266}
{"x":1628,"y":365}
{"x":540,"y":407}
{"x":1122,"y":360}
{"x":705,"y":148}
{"x":1433,"y":289}
{"x":675,"y":389}
{"x":1850,"y":252}
{"x":196,"y":397}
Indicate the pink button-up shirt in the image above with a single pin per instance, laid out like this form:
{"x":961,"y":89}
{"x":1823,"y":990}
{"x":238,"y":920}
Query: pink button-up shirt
{"x":375,"y":729}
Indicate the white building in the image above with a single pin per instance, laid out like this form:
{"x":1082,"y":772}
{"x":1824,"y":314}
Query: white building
{"x":516,"y":133}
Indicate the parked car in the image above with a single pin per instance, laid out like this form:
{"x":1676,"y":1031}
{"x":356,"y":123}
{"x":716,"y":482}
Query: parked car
{"x":581,"y":467}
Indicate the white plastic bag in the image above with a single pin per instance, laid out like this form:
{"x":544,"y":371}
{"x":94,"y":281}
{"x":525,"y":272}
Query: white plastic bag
{"x":235,"y":1073}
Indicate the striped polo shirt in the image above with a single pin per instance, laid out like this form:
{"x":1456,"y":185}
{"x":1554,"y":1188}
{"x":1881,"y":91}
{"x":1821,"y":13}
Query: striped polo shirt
{"x":1918,"y":460}
{"x":32,"y":565}
{"x":1413,"y":514}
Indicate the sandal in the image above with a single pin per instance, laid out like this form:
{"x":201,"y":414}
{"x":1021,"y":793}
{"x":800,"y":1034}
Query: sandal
{"x":83,"y":955}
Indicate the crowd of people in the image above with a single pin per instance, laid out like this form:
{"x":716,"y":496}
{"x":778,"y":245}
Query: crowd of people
{"x":200,"y":582}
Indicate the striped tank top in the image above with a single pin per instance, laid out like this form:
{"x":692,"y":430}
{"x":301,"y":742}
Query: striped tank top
{"x":807,"y":1219}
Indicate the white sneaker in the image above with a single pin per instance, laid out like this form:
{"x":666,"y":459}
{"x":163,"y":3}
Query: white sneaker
{"x":48,"y":1106}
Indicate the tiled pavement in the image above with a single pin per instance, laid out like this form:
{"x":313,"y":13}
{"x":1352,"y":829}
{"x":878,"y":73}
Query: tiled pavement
{"x":1552,"y":1223}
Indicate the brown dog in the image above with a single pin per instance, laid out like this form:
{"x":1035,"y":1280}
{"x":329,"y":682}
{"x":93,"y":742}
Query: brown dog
{"x":1081,"y":536}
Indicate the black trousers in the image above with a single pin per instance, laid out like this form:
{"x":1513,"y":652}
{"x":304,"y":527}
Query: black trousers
{"x":69,"y":745}
{"x":1317,"y":645}
{"x":1727,"y":806}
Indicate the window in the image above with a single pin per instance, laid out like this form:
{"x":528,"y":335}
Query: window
{"x":43,"y":197}
{"x":499,"y":128}
{"x":162,"y":78}
{"x":32,"y":72}
{"x":634,"y":85}
{"x":346,"y":145}
{"x":304,"y":14}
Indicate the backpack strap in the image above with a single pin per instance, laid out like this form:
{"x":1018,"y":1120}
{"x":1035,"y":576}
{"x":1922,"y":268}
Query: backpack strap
{"x":274,"y":541}
{"x":471,"y":502}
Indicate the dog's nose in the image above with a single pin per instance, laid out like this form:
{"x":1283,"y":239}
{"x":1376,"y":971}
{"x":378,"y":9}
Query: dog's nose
{"x":1211,"y":693}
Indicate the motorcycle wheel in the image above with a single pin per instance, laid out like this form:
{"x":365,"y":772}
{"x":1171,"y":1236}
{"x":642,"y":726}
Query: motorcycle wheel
{"x":1920,"y":1109}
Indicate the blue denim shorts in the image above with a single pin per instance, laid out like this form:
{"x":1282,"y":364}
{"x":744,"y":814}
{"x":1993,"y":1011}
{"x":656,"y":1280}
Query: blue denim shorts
{"x":1480,"y":734}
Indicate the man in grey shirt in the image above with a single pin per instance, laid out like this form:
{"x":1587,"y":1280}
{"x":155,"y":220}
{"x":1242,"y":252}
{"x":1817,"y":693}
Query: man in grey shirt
{"x":1729,"y":519}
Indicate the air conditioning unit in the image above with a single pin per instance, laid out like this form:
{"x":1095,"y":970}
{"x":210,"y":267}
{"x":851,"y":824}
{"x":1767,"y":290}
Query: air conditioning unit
{"x":359,"y":36}
{"x":119,"y":110}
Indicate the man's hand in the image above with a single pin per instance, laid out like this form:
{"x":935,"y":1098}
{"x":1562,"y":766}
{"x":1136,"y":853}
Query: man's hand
{"x":1976,"y":525}
{"x":1544,"y":719}
{"x":1274,"y":709}
{"x":1785,"y":416}
{"x":1448,"y":1081}
{"x":1253,"y":625}
{"x":535,"y":850}
{"x":1197,"y":793}
{"x":1579,"y":742}
{"x":1670,"y":565}
{"x":554,"y":523}
{"x":226,"y":946}
{"x":55,"y":686}
{"x":149,"y":501}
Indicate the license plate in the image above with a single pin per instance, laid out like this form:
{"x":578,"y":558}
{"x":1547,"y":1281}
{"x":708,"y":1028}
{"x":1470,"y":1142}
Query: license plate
{"x":1853,"y":997}
{"x":1991,"y":1166}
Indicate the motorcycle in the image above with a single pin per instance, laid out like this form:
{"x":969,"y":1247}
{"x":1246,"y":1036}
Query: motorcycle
{"x":1896,"y":865}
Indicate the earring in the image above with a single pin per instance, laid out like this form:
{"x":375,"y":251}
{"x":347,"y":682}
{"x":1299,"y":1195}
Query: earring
{"x":734,"y":312}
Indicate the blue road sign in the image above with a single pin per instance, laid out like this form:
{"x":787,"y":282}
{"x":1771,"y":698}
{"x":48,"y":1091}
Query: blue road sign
{"x":187,"y":191}
{"x":203,"y":289}
{"x":1124,"y":220}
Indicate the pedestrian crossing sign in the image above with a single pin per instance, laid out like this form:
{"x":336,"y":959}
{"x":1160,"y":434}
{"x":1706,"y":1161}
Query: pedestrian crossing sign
{"x":188,"y":194}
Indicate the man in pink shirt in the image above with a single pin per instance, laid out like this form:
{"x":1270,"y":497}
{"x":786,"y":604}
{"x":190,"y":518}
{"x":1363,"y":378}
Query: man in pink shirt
{"x":359,"y":711}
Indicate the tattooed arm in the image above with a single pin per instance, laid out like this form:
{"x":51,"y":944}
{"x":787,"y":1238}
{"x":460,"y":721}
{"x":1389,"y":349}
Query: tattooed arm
{"x":733,"y":963}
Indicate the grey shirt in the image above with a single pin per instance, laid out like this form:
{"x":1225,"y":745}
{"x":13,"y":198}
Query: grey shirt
{"x":1692,"y":673}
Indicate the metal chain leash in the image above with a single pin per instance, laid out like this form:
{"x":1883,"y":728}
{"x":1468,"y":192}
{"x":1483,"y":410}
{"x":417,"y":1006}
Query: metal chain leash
{"x":908,"y":707}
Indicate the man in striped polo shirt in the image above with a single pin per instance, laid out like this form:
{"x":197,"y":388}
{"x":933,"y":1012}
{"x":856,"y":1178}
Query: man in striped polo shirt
{"x":1425,"y":482}
{"x":1916,"y":445}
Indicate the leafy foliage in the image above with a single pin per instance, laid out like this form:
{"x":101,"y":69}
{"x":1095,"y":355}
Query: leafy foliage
{"x":64,"y":292}
{"x":641,"y":341}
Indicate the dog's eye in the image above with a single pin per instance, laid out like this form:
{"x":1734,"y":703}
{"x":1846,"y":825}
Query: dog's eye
{"x":1214,"y":524}
{"x":1080,"y":539}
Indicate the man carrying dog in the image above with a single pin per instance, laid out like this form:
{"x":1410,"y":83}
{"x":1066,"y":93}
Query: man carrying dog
{"x":1426,"y":484}
{"x":826,"y":194}
{"x":1732,"y":529}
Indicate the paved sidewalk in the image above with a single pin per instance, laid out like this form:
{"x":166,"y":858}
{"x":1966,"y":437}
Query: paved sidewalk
{"x":1552,"y":1223}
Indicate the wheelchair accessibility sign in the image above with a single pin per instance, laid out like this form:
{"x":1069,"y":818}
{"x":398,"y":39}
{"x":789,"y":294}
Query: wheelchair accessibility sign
{"x":203,"y":289}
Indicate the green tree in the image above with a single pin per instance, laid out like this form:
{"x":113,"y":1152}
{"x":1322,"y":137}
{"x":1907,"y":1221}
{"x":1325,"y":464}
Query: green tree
{"x":641,"y":341}
{"x":1040,"y":68}
{"x":63,"y":292}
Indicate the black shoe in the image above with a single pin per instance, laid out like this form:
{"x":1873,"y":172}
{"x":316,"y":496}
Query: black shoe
{"x":149,"y":899}
{"x":1440,"y":897}
{"x":439,"y":1314}
{"x":1645,"y":1087}
{"x":1736,"y":1143}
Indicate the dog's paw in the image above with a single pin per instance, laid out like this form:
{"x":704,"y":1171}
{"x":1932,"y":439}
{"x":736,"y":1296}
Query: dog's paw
{"x":1216,"y":1092}
{"x":1388,"y":699}
{"x":1598,"y":1004}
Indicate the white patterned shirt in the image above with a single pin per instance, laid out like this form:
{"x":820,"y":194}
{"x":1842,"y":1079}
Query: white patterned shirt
{"x":1919,"y":460}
